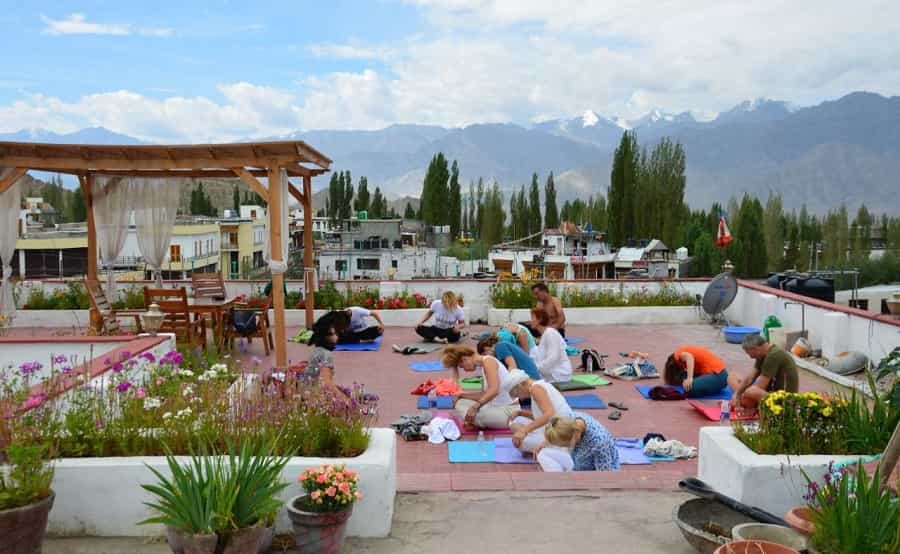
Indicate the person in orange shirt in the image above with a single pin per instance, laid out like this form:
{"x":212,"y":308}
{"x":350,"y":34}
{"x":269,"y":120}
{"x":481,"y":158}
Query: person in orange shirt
{"x":698,"y":370}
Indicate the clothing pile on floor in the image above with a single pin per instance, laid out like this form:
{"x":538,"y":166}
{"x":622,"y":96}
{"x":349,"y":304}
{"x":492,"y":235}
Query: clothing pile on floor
{"x":638,"y":369}
{"x":669,"y":448}
{"x":441,"y":387}
{"x":423,"y":426}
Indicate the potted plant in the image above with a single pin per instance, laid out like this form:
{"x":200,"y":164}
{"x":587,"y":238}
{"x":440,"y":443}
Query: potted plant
{"x":25,"y":498}
{"x":320,"y":515}
{"x":754,"y":547}
{"x":219,"y":504}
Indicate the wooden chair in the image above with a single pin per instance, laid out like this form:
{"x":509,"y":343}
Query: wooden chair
{"x":174,"y":303}
{"x":260,"y":309}
{"x":109,"y":322}
{"x":208,"y":285}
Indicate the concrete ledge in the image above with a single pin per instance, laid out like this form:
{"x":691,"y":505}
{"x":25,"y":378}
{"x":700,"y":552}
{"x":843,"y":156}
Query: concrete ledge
{"x":774,"y":483}
{"x":639,"y":315}
{"x":102,"y":496}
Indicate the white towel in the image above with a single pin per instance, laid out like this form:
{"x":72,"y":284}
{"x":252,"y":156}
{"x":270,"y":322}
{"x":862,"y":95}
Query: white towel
{"x":672,"y":448}
{"x":441,"y":429}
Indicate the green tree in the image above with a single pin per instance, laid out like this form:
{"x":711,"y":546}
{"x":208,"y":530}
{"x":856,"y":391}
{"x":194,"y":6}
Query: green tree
{"x":472,"y":227}
{"x":335,"y":195}
{"x":534,"y":220}
{"x":551,"y":212}
{"x":455,"y":202}
{"x":236,"y":198}
{"x":705,"y":259}
{"x":774,"y":232}
{"x":362,"y":201}
{"x":622,"y":190}
{"x":346,"y":206}
{"x":409,"y":212}
{"x":479,"y":208}
{"x":77,"y":207}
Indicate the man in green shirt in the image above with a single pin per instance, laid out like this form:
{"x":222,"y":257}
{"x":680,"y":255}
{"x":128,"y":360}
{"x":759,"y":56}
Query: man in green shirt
{"x":773,"y":370}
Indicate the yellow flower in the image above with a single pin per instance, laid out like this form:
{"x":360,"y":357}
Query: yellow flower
{"x":827,"y":411}
{"x":777,"y":410}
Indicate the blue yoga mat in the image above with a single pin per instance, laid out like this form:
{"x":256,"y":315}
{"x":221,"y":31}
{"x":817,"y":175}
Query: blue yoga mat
{"x":470,"y":452}
{"x":430,"y":365}
{"x":574,"y":340}
{"x":572,"y":351}
{"x":724,"y":394}
{"x":631,"y":452}
{"x":359,"y":346}
{"x":440,"y":403}
{"x":585,"y":402}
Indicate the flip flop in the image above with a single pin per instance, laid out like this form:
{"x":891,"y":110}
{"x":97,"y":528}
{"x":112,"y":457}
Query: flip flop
{"x":397,"y":348}
{"x":615,"y":415}
{"x":619,"y":405}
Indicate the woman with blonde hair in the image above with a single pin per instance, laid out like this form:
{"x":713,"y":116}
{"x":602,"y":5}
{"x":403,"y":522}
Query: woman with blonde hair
{"x":546,"y":402}
{"x":449,"y":320}
{"x":590,"y":446}
{"x":492,"y":406}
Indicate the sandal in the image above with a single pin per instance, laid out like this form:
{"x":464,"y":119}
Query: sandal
{"x":619,"y":405}
{"x":615,"y":415}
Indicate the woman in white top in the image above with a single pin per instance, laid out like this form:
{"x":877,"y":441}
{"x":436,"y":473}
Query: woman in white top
{"x":360,"y":330}
{"x":550,"y":353}
{"x":492,"y":406}
{"x":546,"y":402}
{"x":449,"y":320}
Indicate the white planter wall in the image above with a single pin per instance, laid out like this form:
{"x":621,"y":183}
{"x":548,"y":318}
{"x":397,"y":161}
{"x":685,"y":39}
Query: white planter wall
{"x":102,"y":496}
{"x":773,"y":483}
{"x":650,"y":315}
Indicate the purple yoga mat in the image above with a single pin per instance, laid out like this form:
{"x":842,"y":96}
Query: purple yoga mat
{"x":506,"y":453}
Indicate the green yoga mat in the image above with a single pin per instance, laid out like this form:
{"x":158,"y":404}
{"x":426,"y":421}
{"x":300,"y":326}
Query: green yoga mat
{"x":470,"y":383}
{"x":582,"y":382}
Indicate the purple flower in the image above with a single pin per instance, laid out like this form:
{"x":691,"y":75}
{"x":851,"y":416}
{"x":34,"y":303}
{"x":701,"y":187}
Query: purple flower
{"x":118,"y":367}
{"x":107,"y":361}
{"x":59,"y":359}
{"x":66,"y":369}
{"x":100,"y":425}
{"x":27,"y":368}
{"x":256,"y":360}
{"x":123,"y":386}
{"x":124,"y":355}
{"x":149,"y":357}
{"x":172,"y":357}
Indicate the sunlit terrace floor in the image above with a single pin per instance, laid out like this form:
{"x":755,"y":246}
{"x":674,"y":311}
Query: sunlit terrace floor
{"x":425,"y":467}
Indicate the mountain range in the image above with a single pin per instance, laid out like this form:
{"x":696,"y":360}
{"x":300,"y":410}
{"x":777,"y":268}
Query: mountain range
{"x":846,"y":150}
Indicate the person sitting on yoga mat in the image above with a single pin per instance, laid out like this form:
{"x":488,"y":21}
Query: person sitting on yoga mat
{"x":552,"y":305}
{"x":492,"y":406}
{"x":774,"y":369}
{"x":550,"y":353}
{"x":449,"y":320}
{"x":698,"y":370}
{"x":518,"y":334}
{"x":590,"y":446}
{"x":546,"y":401}
{"x":360,"y":330}
{"x":510,"y":354}
{"x":320,"y":368}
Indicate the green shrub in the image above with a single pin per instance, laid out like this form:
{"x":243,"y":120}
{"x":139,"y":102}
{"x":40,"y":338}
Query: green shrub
{"x":73,"y":297}
{"x":519,"y":296}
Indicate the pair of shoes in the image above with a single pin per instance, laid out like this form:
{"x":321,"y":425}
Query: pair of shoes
{"x":441,"y":340}
{"x":615,"y":415}
{"x":619,"y":405}
{"x":405,"y":350}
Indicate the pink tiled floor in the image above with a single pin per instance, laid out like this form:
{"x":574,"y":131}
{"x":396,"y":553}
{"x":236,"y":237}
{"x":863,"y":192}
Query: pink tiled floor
{"x":422,"y":466}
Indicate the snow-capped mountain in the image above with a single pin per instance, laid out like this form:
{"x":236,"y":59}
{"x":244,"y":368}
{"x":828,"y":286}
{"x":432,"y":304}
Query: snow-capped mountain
{"x":755,"y":111}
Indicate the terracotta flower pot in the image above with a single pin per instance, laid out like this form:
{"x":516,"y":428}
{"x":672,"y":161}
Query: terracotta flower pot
{"x":22,"y":529}
{"x":754,"y":547}
{"x":317,"y":533}
{"x":241,"y":541}
{"x":800,"y":519}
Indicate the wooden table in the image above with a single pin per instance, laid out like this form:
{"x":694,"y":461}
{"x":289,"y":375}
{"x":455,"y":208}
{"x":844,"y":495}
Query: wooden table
{"x":215,"y":309}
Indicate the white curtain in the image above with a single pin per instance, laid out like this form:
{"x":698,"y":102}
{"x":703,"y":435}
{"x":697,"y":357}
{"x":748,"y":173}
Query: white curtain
{"x":155,"y":204}
{"x":10,"y":206}
{"x":278,"y":266}
{"x":112,"y":215}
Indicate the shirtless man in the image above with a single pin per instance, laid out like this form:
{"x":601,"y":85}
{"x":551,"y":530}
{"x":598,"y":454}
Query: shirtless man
{"x":552,"y":306}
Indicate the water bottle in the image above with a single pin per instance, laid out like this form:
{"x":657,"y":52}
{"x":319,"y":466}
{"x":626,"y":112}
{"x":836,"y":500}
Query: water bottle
{"x":482,"y":449}
{"x":725,"y":412}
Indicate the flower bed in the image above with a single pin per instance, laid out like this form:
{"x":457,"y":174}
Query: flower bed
{"x":520,"y":296}
{"x":329,"y":297}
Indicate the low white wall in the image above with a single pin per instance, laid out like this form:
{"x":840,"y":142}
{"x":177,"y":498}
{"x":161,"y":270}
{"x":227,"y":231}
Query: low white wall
{"x":874,"y":338}
{"x":774,"y":483}
{"x":102,"y":496}
{"x":649,"y":315}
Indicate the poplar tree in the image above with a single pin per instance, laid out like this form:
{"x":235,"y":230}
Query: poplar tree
{"x":551,"y":212}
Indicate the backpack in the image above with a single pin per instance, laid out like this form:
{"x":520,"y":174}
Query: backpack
{"x":592,"y":361}
{"x":244,"y":321}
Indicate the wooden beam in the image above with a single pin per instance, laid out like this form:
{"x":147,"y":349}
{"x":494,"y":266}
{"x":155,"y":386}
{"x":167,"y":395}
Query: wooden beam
{"x":296,"y":194}
{"x":9,"y":180}
{"x":95,"y":322}
{"x":275,"y":201}
{"x":99,"y":165}
{"x":309,"y":293}
{"x":308,"y":153}
{"x":166,"y":173}
{"x":252,"y":182}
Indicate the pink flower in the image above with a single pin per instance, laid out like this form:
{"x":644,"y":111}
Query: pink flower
{"x":359,"y":495}
{"x":321,"y":478}
{"x":331,"y":491}
{"x":160,"y":381}
{"x":149,"y":357}
{"x":344,"y":488}
{"x":315,"y":495}
{"x":140,"y":392}
{"x":34,"y":401}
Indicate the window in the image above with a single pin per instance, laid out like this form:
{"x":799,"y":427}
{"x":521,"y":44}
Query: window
{"x":394,"y":264}
{"x":368,"y":263}
{"x":340,"y":265}
{"x":175,"y":252}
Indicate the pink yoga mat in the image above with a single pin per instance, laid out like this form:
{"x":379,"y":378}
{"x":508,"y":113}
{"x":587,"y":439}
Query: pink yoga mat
{"x":713,"y":412}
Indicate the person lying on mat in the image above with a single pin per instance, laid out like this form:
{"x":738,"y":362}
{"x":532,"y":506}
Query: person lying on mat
{"x":359,"y":329}
{"x":320,"y":367}
{"x":449,"y":320}
{"x":581,"y":444}
{"x":492,"y":406}
{"x":552,"y":305}
{"x":510,"y":354}
{"x":698,"y":370}
{"x":546,"y":401}
{"x":773,"y":369}
{"x":550,"y":353}
{"x":518,"y":334}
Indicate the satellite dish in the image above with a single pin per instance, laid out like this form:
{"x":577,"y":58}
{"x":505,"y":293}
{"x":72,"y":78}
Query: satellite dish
{"x":719,"y":295}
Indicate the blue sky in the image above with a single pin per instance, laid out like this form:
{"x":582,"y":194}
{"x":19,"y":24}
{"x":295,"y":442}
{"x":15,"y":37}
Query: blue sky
{"x":195,"y":71}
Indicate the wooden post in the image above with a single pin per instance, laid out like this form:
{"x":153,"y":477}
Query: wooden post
{"x":889,"y":458}
{"x":308,"y":276}
{"x":275,"y":201}
{"x":87,"y":189}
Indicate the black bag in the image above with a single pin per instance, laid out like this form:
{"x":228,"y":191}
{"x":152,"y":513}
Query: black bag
{"x":244,"y":321}
{"x":592,"y":361}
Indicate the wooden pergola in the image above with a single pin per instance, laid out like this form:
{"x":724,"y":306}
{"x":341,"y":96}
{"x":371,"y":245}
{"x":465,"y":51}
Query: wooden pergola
{"x":246,"y":161}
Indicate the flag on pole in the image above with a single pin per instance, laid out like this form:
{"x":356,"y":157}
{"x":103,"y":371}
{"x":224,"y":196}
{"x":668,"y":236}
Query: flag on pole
{"x":723,"y":237}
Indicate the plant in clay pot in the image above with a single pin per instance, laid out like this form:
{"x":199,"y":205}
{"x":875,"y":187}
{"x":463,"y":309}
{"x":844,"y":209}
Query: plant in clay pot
{"x":219,"y":504}
{"x":25,"y":498}
{"x":754,"y":547}
{"x":320,"y":516}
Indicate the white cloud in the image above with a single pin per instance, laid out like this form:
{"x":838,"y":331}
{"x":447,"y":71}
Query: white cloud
{"x":351,"y":51}
{"x":77,"y":24}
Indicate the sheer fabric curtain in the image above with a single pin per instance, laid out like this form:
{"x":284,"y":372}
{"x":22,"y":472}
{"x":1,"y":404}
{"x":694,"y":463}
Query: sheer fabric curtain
{"x":10,"y":204}
{"x":112,"y":214}
{"x":155,"y":207}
